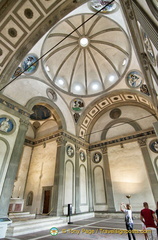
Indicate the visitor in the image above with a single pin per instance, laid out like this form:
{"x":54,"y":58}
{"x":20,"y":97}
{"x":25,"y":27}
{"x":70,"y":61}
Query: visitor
{"x":126,"y":208}
{"x":147,"y":216}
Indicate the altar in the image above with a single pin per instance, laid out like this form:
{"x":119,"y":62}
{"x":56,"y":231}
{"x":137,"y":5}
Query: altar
{"x":16,"y":205}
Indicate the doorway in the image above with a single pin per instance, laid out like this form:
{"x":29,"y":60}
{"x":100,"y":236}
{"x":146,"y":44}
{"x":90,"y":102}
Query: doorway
{"x":46,"y":199}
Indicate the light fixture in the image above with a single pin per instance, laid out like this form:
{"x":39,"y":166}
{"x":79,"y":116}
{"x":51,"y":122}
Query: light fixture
{"x":84,"y":42}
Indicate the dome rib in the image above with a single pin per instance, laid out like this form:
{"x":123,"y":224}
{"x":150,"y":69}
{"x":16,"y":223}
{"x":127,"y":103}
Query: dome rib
{"x":103,"y":55}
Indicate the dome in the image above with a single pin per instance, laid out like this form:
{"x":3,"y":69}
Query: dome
{"x":86,"y":54}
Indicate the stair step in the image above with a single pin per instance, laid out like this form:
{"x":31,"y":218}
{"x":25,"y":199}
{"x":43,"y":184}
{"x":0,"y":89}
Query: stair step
{"x":31,"y":226}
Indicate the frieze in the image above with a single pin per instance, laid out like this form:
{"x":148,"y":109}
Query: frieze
{"x":15,"y":108}
{"x":103,"y":144}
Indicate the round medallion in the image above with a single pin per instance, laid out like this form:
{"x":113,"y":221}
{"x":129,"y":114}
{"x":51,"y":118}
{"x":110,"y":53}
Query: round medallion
{"x":70,"y":151}
{"x":154,"y":145}
{"x":30,"y":64}
{"x":144,"y":89}
{"x":6,"y":125}
{"x":51,"y":94}
{"x":134,"y":79}
{"x":97,"y":157}
{"x":105,"y":5}
{"x":77,"y":105}
{"x":82,"y":156}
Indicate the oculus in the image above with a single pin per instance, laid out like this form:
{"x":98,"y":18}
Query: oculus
{"x":115,"y":113}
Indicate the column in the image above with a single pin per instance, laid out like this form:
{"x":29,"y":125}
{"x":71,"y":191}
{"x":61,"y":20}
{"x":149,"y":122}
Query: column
{"x":149,"y":167}
{"x":90,"y":188}
{"x":77,"y":181}
{"x":108,"y":182}
{"x":58,"y":189}
{"x":13,"y":168}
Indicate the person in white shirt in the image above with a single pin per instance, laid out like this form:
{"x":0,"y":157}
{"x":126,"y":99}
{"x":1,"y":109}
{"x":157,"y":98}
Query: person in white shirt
{"x":126,"y":208}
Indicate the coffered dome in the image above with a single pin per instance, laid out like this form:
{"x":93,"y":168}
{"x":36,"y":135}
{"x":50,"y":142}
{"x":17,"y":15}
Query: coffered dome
{"x":86,"y":54}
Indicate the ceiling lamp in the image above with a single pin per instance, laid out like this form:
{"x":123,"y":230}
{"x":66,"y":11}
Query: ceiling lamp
{"x":84,"y":42}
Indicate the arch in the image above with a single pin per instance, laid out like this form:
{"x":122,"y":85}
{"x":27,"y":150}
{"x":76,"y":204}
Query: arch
{"x":113,"y":99}
{"x":54,"y":109}
{"x":120,"y":120}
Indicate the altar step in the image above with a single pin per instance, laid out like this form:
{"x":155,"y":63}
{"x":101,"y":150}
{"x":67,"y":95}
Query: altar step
{"x":19,"y":216}
{"x":32,"y":226}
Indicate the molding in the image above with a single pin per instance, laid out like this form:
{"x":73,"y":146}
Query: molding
{"x":66,"y":137}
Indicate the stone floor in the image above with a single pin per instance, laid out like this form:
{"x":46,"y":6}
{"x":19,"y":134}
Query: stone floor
{"x":93,"y":228}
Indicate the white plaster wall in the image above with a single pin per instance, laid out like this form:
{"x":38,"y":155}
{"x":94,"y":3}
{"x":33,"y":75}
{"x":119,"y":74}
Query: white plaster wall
{"x":47,"y":128}
{"x":19,"y":185}
{"x":83,"y":185}
{"x":129,"y":176}
{"x":84,"y":194}
{"x":41,"y":174}
{"x":69,"y":182}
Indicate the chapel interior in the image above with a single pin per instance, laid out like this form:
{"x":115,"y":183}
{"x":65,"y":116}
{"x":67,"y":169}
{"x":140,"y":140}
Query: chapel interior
{"x":78,"y":106}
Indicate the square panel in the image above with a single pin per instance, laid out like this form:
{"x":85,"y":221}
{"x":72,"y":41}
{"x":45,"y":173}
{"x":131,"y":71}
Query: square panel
{"x":5,"y":52}
{"x":103,"y":104}
{"x":116,"y":98}
{"x":143,"y":100}
{"x":47,"y":5}
{"x":12,"y":31}
{"x":129,"y":97}
{"x":28,"y":13}
{"x":93,"y":112}
{"x":86,"y":121}
{"x":82,"y":132}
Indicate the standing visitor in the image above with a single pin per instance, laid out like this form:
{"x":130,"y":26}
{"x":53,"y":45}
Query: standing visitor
{"x":128,"y":219}
{"x":147,"y":216}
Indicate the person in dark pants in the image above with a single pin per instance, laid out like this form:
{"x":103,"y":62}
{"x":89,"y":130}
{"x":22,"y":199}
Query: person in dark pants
{"x":157,"y":216}
{"x":128,"y":219}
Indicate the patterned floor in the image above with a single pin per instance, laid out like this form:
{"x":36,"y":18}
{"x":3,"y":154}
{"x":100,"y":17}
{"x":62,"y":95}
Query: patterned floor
{"x":93,"y":228}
